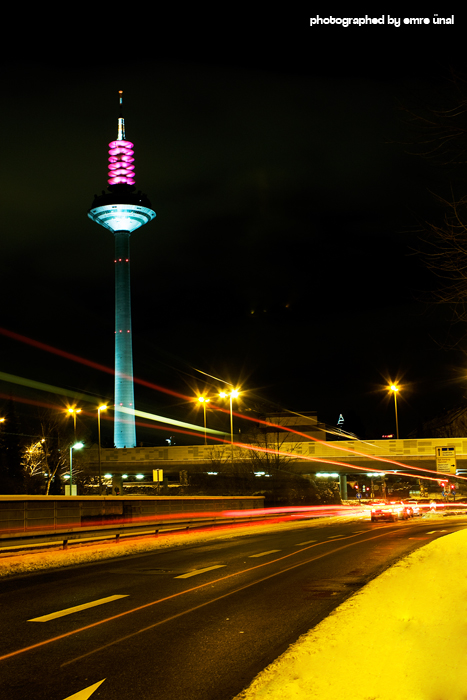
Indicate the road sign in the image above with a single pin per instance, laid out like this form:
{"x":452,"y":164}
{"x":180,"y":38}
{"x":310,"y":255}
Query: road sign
{"x":157,"y":475}
{"x":446,"y":460}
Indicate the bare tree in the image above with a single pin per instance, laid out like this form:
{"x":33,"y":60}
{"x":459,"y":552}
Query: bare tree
{"x":55,"y":447}
{"x":445,"y":254}
{"x":438,"y":134}
{"x":273,"y":452}
{"x":33,"y":463}
{"x":240,"y":468}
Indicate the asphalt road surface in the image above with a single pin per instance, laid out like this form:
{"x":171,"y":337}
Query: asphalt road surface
{"x":189,"y":623}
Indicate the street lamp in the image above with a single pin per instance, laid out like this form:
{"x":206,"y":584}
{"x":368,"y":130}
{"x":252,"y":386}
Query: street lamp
{"x":232,"y":395}
{"x":76,"y":446}
{"x":101,"y":408}
{"x":73,"y":412}
{"x":204,"y":401}
{"x":394,"y":388}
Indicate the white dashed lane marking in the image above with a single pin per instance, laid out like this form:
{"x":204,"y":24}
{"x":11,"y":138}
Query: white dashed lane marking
{"x":302,"y":543}
{"x":200,"y":571}
{"x":77,"y":608}
{"x":263,"y":554}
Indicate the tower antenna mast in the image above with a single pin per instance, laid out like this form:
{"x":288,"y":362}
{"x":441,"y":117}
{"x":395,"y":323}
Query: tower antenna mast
{"x":121,"y":120}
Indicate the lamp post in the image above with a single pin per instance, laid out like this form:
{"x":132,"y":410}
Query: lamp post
{"x":101,"y":408}
{"x":394,"y":388}
{"x":76,"y":446}
{"x":73,"y":412}
{"x":204,"y":401}
{"x":232,"y":395}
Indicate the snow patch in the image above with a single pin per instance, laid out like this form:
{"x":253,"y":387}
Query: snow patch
{"x":404,"y":635}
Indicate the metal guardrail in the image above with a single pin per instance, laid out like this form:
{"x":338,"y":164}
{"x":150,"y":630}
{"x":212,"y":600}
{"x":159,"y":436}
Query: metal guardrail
{"x":13,"y":541}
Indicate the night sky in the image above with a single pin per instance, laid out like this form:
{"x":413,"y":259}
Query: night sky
{"x":275,"y":155}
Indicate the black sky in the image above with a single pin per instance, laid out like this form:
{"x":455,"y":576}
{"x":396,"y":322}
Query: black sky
{"x":281,"y":255}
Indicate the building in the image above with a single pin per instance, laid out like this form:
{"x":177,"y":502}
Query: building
{"x":305,"y":423}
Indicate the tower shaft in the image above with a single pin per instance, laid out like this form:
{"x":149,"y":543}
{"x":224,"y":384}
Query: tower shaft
{"x":124,"y":424}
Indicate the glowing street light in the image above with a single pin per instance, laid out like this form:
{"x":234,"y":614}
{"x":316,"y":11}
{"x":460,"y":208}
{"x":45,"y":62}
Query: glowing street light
{"x":394,"y":388}
{"x":76,"y":446}
{"x":232,"y":395}
{"x":101,"y":408}
{"x":204,"y":401}
{"x":72,"y":412}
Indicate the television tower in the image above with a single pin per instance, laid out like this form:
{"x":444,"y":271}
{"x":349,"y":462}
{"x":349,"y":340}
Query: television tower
{"x":122,"y":211}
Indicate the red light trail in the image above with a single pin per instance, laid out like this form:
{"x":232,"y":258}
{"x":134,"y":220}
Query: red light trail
{"x":75,"y":358}
{"x":83,"y":361}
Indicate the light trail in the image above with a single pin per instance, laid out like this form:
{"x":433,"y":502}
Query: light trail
{"x":279,"y":513}
{"x":89,"y":414}
{"x":168,"y":421}
{"x":84,"y":361}
{"x":50,"y":388}
{"x":103,"y":368}
{"x":262,"y":516}
{"x":191,"y":429}
{"x":33,"y":384}
{"x":32,"y":402}
{"x":325,"y":444}
{"x":212,"y":377}
{"x":321,"y":460}
{"x":324,"y":460}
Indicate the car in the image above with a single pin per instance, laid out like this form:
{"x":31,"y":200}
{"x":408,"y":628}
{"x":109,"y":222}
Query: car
{"x":417,"y":510}
{"x":392,"y":511}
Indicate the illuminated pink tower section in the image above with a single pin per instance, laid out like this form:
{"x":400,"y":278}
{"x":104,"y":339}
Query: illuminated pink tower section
{"x":122,"y":211}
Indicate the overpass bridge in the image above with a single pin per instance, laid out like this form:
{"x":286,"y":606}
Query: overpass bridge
{"x":347,"y":458}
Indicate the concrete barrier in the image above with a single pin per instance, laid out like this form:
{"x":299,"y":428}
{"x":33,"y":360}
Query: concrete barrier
{"x":29,"y":513}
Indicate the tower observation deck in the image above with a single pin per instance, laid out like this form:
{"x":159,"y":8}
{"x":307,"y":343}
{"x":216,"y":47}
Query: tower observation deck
{"x":121,"y":210}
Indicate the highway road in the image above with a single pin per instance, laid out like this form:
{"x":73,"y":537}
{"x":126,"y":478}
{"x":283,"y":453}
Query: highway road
{"x":194,"y":622}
